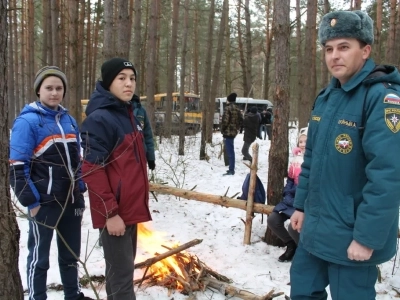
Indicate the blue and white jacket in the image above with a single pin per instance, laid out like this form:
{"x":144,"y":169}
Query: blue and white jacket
{"x":45,"y":156}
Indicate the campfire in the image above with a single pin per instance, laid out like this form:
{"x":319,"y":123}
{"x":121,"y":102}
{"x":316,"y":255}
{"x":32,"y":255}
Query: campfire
{"x":178,"y":270}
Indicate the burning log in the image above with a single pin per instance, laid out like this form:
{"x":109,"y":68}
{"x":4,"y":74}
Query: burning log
{"x":157,"y":258}
{"x":215,"y":199}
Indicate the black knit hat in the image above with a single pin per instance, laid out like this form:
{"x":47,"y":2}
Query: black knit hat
{"x":231,"y":97}
{"x":45,"y":72}
{"x":111,"y":68}
{"x":253,"y":110}
{"x":346,"y":24}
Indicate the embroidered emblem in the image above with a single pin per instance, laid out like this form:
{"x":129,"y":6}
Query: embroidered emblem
{"x":347,"y":123}
{"x":316,"y":118}
{"x":128,"y":64}
{"x":392,"y":99}
{"x":392,"y":118}
{"x":343,"y":143}
{"x":333,"y":22}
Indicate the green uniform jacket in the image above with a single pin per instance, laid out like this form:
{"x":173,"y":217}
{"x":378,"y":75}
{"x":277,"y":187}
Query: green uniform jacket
{"x":350,"y":179}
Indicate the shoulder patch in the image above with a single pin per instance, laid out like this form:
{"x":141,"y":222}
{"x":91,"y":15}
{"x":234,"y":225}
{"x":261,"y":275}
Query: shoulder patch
{"x":392,"y":118}
{"x":392,"y":99}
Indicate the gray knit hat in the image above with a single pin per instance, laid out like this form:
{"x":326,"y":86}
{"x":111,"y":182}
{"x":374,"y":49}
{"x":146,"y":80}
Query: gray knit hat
{"x":346,"y":24}
{"x":46,"y":72}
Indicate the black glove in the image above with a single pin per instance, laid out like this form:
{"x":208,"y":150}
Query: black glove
{"x":152,"y":164}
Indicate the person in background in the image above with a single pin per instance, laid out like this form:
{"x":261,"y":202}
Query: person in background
{"x":45,"y":176}
{"x":263,"y":124}
{"x":115,"y":172}
{"x":232,"y":119}
{"x":269,"y":120}
{"x":141,"y":115}
{"x":347,"y":200}
{"x":251,"y":123}
{"x":284,"y":209}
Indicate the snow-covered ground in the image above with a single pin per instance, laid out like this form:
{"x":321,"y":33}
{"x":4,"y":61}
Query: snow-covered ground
{"x":254,"y":267}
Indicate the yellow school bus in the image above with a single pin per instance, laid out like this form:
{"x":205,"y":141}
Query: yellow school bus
{"x":193,"y":114}
{"x":192,"y":102}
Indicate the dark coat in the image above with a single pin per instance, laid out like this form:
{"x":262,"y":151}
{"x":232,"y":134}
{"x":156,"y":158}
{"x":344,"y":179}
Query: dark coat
{"x":251,"y":124}
{"x":114,"y":166}
{"x":286,"y":205}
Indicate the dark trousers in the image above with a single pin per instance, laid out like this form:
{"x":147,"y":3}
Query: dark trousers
{"x":245,"y":150}
{"x":276,"y":222}
{"x":263,"y":129}
{"x":120,"y":253}
{"x":229,"y":146}
{"x":310,"y":275}
{"x":269,"y":131}
{"x":39,"y":242}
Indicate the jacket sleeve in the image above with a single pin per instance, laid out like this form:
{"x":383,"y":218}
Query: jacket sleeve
{"x":290,"y":187}
{"x":379,"y":210}
{"x":225,"y":120}
{"x":148,"y":138}
{"x":97,"y":142}
{"x":22,"y":144}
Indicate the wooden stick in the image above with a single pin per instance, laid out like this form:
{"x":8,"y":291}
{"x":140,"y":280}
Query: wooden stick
{"x":157,"y":258}
{"x":215,"y":199}
{"x":250,"y":196}
{"x":229,"y":290}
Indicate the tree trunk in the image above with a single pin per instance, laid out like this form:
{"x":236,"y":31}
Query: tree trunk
{"x":108,"y":42}
{"x":123,"y":30}
{"x":196,"y":59}
{"x":151,"y":59}
{"x":207,"y":101}
{"x":241,"y":49}
{"x":390,"y":49}
{"x":181,"y":147}
{"x":268,"y":42}
{"x":31,"y":45}
{"x":228,"y":74}
{"x":171,"y":68}
{"x":11,"y":74}
{"x":73,"y":86}
{"x":55,"y":57}
{"x":217,"y":70}
{"x":278,"y":153}
{"x":94,"y":48}
{"x":137,"y":40}
{"x":10,"y":279}
{"x":324,"y":69}
{"x":308,"y":91}
{"x":249,"y":50}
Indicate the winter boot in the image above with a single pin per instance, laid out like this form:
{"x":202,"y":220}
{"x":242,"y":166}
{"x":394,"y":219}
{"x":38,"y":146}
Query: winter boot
{"x":289,"y":253}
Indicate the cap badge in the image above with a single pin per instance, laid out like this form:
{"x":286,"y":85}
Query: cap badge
{"x":333,"y":22}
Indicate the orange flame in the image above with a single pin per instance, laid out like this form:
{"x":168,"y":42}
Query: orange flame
{"x":162,"y":270}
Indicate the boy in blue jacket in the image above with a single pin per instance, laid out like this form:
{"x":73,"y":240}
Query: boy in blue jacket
{"x":45,"y":176}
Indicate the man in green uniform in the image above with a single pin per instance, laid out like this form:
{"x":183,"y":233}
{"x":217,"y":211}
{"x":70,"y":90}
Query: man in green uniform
{"x":347,"y":200}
